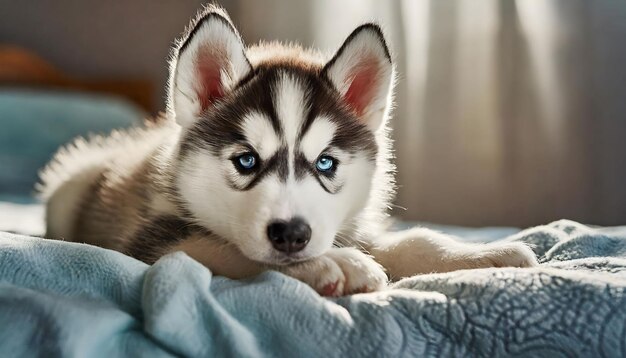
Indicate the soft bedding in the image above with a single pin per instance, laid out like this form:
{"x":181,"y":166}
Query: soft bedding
{"x":68,"y":299}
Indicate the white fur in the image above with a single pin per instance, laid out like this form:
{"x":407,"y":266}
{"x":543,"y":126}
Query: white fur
{"x":317,"y":138}
{"x":259,"y":132}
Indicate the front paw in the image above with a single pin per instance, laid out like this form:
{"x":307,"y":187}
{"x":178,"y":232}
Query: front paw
{"x":514,"y":254}
{"x":341,"y":271}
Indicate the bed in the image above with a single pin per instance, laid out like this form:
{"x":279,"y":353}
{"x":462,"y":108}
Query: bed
{"x":69,"y":299}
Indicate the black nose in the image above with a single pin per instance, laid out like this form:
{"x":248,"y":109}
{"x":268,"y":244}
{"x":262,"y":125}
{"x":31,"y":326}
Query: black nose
{"x":289,"y":236}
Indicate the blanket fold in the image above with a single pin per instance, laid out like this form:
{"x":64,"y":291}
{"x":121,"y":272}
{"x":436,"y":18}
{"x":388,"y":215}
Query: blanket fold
{"x":74,"y":300}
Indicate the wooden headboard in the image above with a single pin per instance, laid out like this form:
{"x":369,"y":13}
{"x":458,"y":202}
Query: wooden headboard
{"x":22,"y":68}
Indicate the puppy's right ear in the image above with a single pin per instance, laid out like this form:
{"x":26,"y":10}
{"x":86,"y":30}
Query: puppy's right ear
{"x":206,"y":64}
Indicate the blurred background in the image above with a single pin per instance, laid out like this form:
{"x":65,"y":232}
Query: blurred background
{"x":508,"y":112}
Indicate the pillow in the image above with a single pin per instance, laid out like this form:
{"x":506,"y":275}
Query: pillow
{"x":35,"y":123}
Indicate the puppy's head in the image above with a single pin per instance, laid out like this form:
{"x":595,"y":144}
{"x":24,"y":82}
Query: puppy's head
{"x":278,"y":150}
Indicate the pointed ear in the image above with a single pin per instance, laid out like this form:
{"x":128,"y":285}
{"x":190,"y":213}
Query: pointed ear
{"x":362,"y":72}
{"x":206,"y":64}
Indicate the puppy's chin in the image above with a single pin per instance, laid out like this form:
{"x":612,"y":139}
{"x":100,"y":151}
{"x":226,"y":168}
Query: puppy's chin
{"x":280,"y":259}
{"x":269,"y":256}
{"x":276,"y":258}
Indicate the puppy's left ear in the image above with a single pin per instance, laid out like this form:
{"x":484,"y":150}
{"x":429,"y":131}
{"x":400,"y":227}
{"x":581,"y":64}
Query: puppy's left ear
{"x":363,"y":74}
{"x":206,"y":65}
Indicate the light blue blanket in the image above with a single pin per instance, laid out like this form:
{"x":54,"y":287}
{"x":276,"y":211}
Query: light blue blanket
{"x":65,"y":299}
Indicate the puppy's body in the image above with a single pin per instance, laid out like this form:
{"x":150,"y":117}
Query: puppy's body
{"x":106,"y":190}
{"x":269,"y":157}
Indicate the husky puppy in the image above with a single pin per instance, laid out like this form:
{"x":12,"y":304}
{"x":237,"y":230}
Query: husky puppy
{"x":269,"y":157}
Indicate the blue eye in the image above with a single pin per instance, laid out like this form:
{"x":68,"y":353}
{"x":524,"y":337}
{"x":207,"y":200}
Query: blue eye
{"x":246,"y":161}
{"x":324,"y":163}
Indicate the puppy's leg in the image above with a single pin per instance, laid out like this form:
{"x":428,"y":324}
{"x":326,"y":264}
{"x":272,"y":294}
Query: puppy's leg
{"x":340,"y":271}
{"x":419,"y":250}
{"x":221,"y":258}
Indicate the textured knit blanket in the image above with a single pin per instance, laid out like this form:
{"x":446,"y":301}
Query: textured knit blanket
{"x":74,"y":300}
